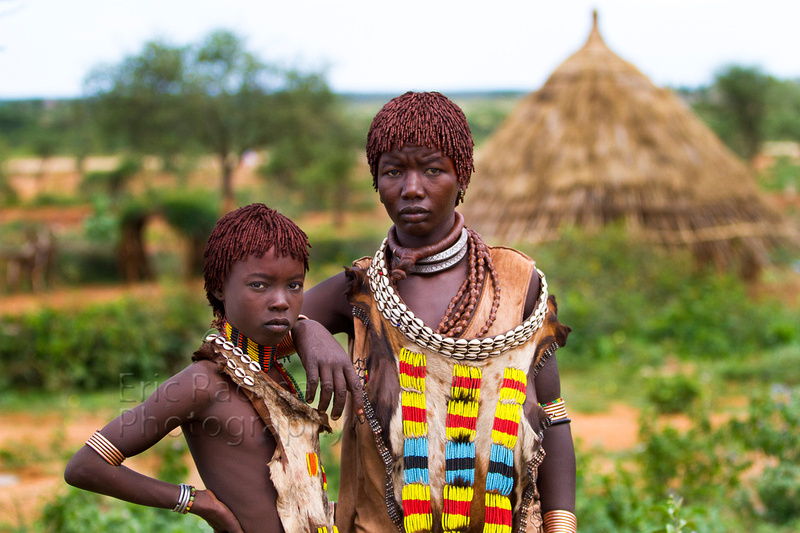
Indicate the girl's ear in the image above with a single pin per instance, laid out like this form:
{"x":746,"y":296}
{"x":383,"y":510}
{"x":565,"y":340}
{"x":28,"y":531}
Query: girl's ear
{"x":219,"y":295}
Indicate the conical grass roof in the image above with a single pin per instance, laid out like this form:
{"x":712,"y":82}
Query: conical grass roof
{"x":599,"y":143}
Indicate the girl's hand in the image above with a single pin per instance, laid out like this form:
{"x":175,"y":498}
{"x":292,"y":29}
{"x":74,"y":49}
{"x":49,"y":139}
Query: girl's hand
{"x":216,"y":513}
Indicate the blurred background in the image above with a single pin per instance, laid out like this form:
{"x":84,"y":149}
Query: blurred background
{"x":647,"y":157}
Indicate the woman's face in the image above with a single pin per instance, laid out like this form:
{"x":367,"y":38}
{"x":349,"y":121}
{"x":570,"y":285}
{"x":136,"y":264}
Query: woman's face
{"x":418,"y":187}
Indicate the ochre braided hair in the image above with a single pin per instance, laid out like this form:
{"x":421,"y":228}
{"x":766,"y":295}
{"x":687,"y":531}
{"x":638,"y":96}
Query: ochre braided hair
{"x":423,"y":119}
{"x":249,"y":230}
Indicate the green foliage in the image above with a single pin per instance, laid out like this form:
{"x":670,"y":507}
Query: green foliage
{"x":771,"y":430}
{"x":634,"y":302}
{"x":694,"y":462}
{"x":317,"y":147}
{"x":102,"y":226}
{"x":617,"y":501}
{"x":784,"y":175}
{"x":172,"y":454}
{"x":8,"y":195}
{"x":783,"y":111}
{"x":741,"y":102}
{"x":673,"y":394}
{"x":779,"y":490}
{"x":192,"y":212}
{"x":101,"y":346}
{"x":674,"y":516}
{"x":485,"y":112}
{"x":15,"y":455}
{"x":112,"y":182}
{"x":79,"y":511}
{"x":779,"y":367}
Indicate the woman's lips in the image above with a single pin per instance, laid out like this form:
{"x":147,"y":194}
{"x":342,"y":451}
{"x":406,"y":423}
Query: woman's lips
{"x":413,"y":214}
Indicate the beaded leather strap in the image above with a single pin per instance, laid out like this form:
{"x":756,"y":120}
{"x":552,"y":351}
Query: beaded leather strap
{"x":105,"y":449}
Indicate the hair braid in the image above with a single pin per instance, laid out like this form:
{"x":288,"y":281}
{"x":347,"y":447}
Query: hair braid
{"x":424,"y":119}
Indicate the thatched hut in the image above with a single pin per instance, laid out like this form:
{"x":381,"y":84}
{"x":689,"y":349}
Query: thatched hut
{"x":599,"y":142}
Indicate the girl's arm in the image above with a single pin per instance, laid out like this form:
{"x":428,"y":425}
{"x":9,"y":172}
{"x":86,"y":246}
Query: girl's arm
{"x":175,"y":402}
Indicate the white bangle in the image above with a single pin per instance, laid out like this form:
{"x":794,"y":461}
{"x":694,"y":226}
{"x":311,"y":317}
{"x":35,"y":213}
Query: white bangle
{"x":183,"y":499}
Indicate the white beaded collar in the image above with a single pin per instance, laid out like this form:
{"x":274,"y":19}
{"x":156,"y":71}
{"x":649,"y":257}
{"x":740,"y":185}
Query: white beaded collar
{"x":395,"y":311}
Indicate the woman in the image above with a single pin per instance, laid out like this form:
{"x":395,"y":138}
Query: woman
{"x":462,"y":434}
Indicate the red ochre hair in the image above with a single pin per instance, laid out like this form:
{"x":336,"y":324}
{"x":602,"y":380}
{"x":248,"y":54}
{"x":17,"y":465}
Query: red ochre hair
{"x":427,"y":119}
{"x":249,"y":230}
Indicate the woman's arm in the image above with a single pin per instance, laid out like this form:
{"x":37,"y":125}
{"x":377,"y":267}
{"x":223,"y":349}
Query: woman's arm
{"x":175,"y":402}
{"x":557,"y":472}
{"x":556,"y":480}
{"x":325,"y":361}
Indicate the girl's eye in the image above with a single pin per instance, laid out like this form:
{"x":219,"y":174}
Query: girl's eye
{"x":296,"y":286}
{"x":258,"y":285}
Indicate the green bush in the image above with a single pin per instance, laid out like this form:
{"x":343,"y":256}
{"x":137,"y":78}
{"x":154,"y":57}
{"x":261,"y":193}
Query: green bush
{"x":673,"y":394}
{"x":628,"y":300}
{"x":79,"y":511}
{"x":96,"y":347}
{"x":779,"y":491}
{"x":699,"y":463}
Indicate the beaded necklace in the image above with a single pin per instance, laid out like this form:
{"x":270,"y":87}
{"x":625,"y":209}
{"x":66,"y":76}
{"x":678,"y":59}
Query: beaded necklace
{"x":460,"y":429}
{"x":265,"y":355}
{"x":500,"y":476}
{"x":261,"y":358}
{"x":394,"y":310}
{"x":462,"y":419}
{"x":416,"y":487}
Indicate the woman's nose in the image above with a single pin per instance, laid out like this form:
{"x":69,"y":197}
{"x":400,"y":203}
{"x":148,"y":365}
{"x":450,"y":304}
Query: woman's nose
{"x":412,"y":188}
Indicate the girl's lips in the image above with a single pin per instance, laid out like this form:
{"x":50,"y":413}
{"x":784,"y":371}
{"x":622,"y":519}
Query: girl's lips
{"x":277,"y":325}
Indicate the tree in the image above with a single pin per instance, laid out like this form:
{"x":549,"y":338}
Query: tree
{"x":141,"y":100}
{"x":229,"y":103}
{"x":316,"y":150}
{"x":783,"y":111}
{"x":736,"y":108}
{"x":168,"y":99}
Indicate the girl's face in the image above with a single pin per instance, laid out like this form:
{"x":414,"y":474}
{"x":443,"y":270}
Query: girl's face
{"x":418,"y":187}
{"x":263,"y":296}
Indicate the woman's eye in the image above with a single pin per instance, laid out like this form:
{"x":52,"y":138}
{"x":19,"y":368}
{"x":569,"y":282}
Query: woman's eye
{"x":433,"y":171}
{"x":393,"y":173}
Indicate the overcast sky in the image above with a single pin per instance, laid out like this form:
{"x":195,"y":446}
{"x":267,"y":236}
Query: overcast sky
{"x":48,"y":46}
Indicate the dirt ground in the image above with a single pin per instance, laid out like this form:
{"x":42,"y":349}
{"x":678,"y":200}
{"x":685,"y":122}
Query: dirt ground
{"x":25,"y":491}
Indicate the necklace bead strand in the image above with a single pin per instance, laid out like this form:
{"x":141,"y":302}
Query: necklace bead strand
{"x":394,"y":310}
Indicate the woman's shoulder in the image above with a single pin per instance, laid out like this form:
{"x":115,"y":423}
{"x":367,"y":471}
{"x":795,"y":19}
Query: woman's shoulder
{"x":511,"y":257}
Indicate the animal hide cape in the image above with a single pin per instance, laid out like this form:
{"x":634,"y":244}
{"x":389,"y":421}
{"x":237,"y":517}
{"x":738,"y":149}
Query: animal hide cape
{"x":294,"y":467}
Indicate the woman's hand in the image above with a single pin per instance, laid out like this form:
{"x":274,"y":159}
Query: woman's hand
{"x":328,"y":365}
{"x":216,"y":513}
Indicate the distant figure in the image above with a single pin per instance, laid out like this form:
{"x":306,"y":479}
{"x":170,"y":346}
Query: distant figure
{"x":253,"y":438}
{"x":31,"y":263}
